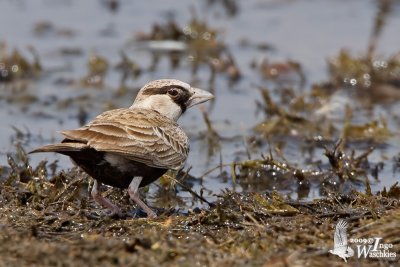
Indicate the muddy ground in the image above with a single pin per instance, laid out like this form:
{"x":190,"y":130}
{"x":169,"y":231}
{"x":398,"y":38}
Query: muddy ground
{"x":55,"y":223}
{"x":303,"y":132}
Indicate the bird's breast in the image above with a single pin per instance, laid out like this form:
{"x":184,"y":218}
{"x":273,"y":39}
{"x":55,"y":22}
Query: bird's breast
{"x":114,"y":170}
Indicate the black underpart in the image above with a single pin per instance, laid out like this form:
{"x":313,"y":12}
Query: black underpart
{"x":180,"y":99}
{"x":94,"y":164}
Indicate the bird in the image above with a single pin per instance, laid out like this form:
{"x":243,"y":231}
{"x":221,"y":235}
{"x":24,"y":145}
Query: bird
{"x":132,"y":147}
{"x":341,"y":247}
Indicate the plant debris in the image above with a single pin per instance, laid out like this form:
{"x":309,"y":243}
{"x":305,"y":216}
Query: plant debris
{"x":54,"y":221}
{"x":15,"y":66}
{"x":277,"y":178}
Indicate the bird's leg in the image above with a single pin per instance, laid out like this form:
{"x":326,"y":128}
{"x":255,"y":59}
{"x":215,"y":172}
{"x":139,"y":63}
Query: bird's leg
{"x":133,"y":191}
{"x":98,"y":197}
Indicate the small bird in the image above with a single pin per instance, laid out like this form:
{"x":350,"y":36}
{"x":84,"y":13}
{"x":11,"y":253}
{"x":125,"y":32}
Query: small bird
{"x":132,"y":147}
{"x":341,"y":247}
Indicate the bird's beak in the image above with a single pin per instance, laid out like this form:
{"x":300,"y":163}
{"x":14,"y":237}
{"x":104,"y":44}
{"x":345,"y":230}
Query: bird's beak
{"x":198,"y":96}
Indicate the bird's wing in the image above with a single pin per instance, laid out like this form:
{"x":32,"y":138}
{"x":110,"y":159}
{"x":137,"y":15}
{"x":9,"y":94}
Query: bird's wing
{"x":137,"y":134}
{"x":340,"y":237}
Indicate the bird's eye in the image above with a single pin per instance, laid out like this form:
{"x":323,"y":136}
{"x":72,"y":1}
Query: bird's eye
{"x":173,"y":92}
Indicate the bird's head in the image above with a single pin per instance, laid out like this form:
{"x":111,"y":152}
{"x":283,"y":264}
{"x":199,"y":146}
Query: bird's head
{"x":170,"y":97}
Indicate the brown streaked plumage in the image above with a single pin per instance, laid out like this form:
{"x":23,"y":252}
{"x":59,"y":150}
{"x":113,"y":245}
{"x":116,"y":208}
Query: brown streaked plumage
{"x":132,"y":147}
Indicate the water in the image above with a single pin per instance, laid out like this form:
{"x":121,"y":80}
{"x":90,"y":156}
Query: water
{"x":308,"y":32}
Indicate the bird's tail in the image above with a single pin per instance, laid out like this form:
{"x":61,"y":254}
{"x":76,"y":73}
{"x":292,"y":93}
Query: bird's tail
{"x":60,"y":148}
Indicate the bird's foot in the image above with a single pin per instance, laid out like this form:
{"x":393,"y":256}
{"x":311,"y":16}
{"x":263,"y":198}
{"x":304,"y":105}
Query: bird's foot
{"x":134,"y":194}
{"x":151,"y":214}
{"x":98,"y":197}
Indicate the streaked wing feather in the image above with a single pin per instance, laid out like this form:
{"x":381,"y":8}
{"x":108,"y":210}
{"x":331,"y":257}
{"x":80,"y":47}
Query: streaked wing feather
{"x":141,"y":135}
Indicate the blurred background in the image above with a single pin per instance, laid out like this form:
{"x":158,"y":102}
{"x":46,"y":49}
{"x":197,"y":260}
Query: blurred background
{"x":291,"y":79}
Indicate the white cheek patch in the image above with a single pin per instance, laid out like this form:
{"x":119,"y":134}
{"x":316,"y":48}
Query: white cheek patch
{"x":163,"y":104}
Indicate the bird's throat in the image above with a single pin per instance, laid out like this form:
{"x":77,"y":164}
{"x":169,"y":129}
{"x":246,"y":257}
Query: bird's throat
{"x":160,"y":103}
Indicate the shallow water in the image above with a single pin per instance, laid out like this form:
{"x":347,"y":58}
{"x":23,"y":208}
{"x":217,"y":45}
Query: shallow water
{"x":308,"y":32}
